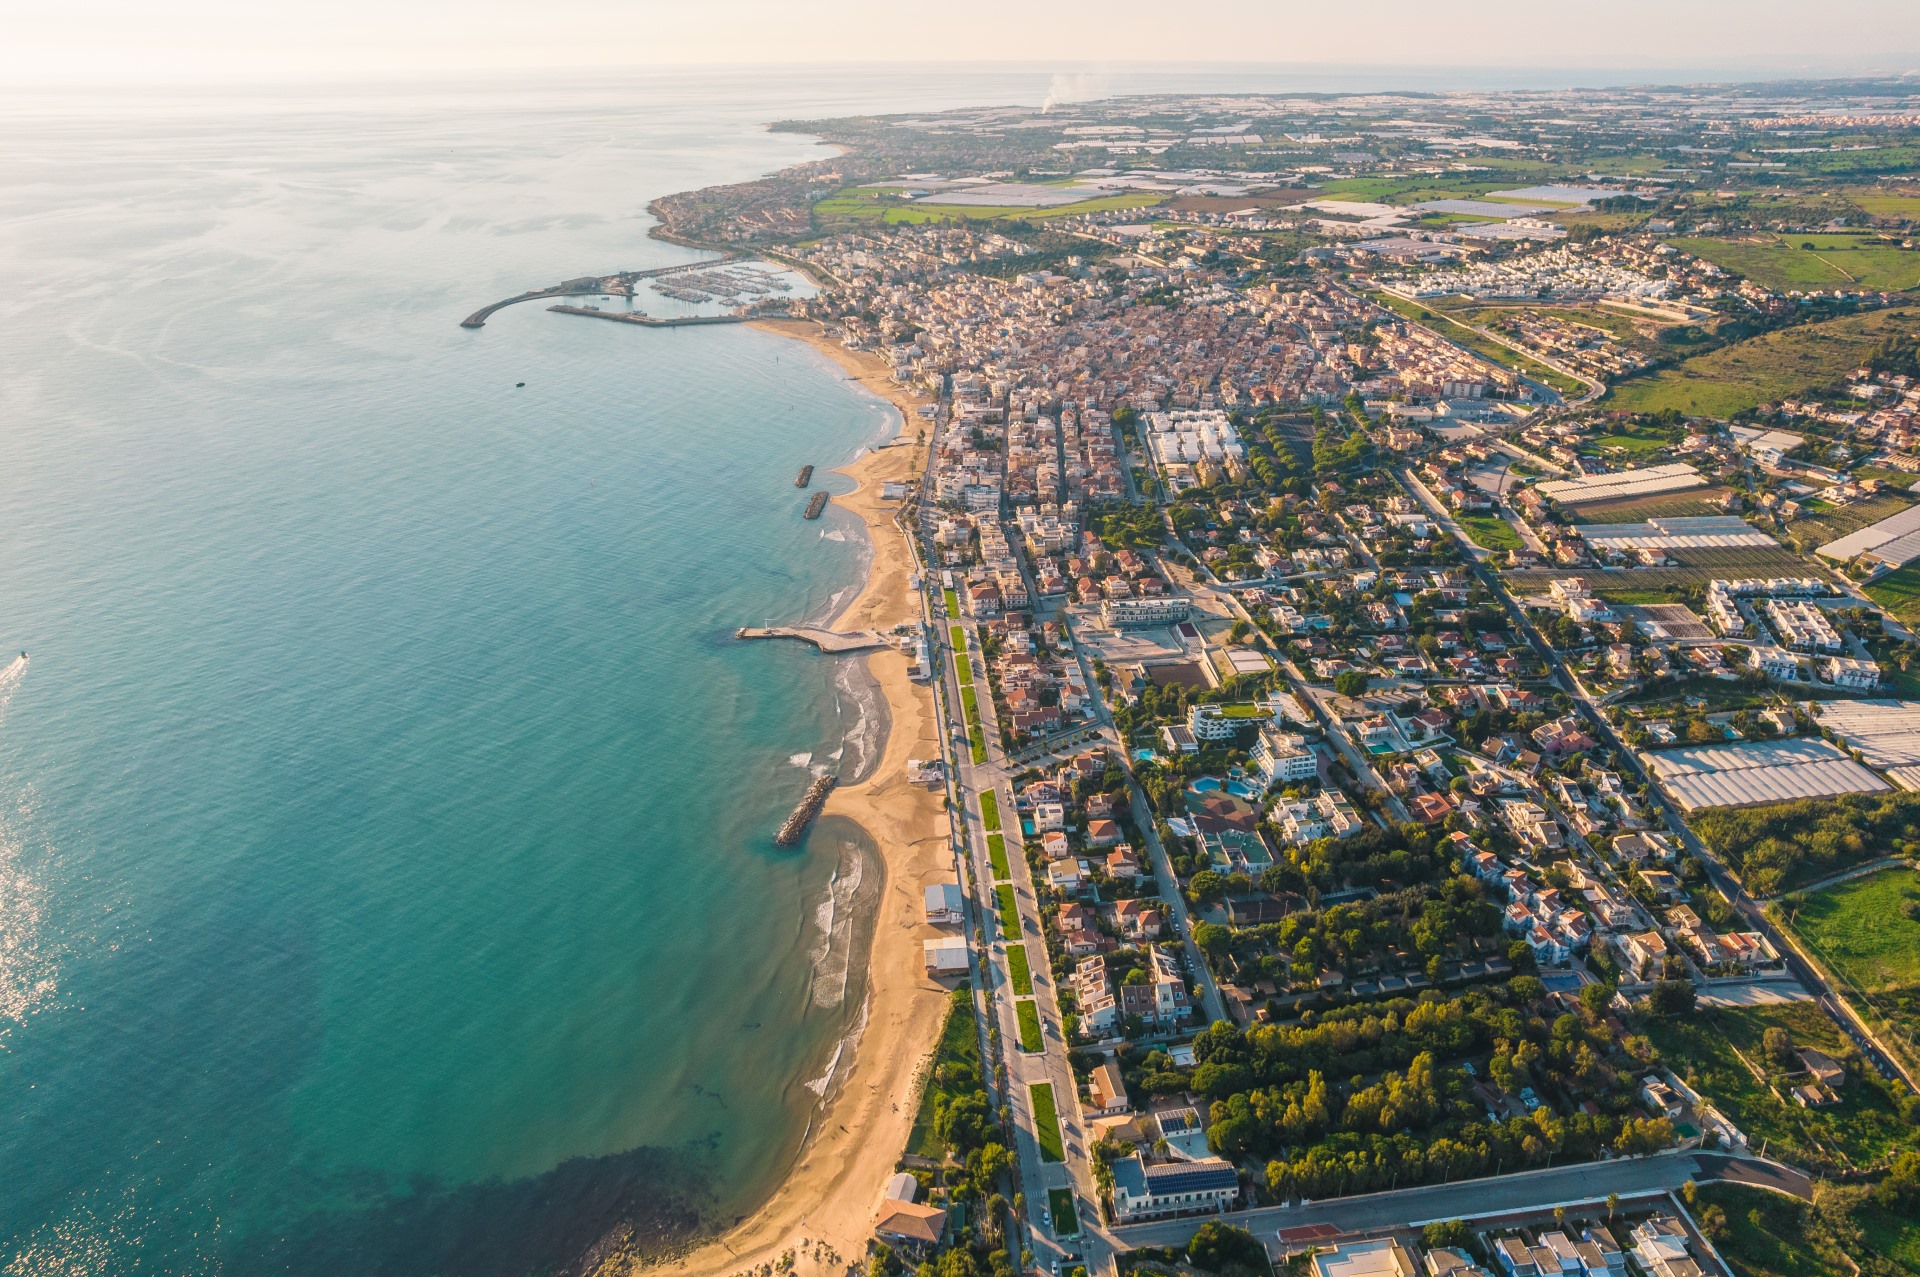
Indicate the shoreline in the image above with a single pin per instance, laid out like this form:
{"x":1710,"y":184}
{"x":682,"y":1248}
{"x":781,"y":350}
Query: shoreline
{"x":831,"y":1192}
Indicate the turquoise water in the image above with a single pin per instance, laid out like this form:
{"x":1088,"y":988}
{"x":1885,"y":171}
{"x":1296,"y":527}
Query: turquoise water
{"x":386,"y":877}
{"x":386,"y":882}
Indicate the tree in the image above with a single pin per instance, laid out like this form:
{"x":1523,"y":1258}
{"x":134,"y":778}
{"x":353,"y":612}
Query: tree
{"x":1350,"y":682}
{"x":1671,"y":997}
{"x":1613,"y":1204}
{"x":1214,"y":940}
{"x":1778,"y":1044}
{"x":1222,"y":1248}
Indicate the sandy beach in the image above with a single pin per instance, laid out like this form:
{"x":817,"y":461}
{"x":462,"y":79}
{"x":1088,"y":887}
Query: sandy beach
{"x":831,"y":1194}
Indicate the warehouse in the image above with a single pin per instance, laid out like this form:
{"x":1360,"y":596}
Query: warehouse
{"x":1755,"y":772}
{"x":1671,"y":477}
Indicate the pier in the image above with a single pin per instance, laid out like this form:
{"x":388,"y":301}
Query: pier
{"x":830,"y":641}
{"x":806,"y":477}
{"x":815,"y":504}
{"x":619,"y":283}
{"x":810,"y":804}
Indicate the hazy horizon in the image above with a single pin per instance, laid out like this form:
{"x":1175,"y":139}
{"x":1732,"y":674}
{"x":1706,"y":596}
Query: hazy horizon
{"x":107,"y":40}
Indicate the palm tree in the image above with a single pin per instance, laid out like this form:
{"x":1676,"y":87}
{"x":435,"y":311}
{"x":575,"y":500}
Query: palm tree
{"x":1613,"y":1204}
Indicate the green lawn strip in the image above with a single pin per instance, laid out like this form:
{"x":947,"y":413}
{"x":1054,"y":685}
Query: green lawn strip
{"x":1018,"y":970}
{"x":1066,"y":1223}
{"x":990,"y":810}
{"x":997,"y":857}
{"x":977,"y":746}
{"x":962,"y":664}
{"x":970,"y":705}
{"x":959,"y":1043}
{"x":1009,"y":910}
{"x":1046,"y":1122}
{"x":952,"y":598}
{"x":1029,"y":1015}
{"x":1491,"y":532}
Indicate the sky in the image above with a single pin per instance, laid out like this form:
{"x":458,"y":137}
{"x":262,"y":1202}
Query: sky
{"x":116,"y":39}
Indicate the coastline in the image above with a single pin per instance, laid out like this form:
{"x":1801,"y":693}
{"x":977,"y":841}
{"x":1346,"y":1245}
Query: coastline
{"x":831,"y":1192}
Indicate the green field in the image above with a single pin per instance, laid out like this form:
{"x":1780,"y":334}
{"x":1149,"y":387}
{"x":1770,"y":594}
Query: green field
{"x":1066,"y":1221}
{"x":1772,"y":1235}
{"x":1860,"y":931}
{"x":1487,"y":348}
{"x":952,"y":599}
{"x":1783,"y":262}
{"x":1898,"y":592}
{"x":1009,"y":910}
{"x":1631,"y":444}
{"x":959,"y":1046}
{"x":1046,"y":1122}
{"x":1018,"y":970}
{"x":990,"y":810}
{"x":1661,"y":505}
{"x":1028,"y":1013}
{"x":976,"y":738}
{"x":1768,"y":367}
{"x":962,"y":665}
{"x":1491,"y":532}
{"x":1717,"y":1050}
{"x":997,"y":857}
{"x":884,"y":204}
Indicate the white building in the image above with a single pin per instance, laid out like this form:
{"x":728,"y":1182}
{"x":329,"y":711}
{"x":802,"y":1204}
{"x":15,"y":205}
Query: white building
{"x":1854,"y":675}
{"x":1135,"y":614}
{"x":1279,"y":757}
{"x":944,"y":905}
{"x":1141,"y":1191}
{"x":1209,"y":723}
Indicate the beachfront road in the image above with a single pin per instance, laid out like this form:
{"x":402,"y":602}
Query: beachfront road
{"x":1505,"y":1194}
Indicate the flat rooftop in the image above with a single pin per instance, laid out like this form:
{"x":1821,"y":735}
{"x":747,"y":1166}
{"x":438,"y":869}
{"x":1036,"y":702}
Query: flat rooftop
{"x":1646,"y":481}
{"x":1755,"y":772}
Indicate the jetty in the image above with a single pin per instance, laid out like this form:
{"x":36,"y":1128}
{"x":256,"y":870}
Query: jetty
{"x":650,"y":321}
{"x":810,"y":804}
{"x":830,"y":641}
{"x":815,"y":505}
{"x":806,"y":477}
{"x":620,"y":284}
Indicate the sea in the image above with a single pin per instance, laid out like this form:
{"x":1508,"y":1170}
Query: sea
{"x":387,"y":882}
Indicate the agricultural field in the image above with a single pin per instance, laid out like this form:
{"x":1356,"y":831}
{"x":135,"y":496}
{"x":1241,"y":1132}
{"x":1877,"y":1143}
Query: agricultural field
{"x":1818,"y":523}
{"x":1898,"y":592}
{"x":855,"y":205}
{"x":1754,"y":561}
{"x":1863,"y":932}
{"x":1638,"y":445}
{"x":1810,"y":261}
{"x":1661,"y":505}
{"x":1885,"y":203}
{"x":1491,"y":532}
{"x":1720,"y":1052}
{"x":1774,"y":365}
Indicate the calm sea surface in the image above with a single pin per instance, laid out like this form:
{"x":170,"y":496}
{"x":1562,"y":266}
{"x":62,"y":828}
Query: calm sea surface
{"x":386,"y":882}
